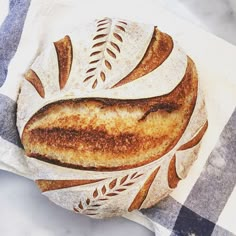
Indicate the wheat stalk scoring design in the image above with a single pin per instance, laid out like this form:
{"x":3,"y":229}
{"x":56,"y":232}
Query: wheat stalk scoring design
{"x":108,"y":46}
{"x":105,"y":49}
{"x":114,"y":188}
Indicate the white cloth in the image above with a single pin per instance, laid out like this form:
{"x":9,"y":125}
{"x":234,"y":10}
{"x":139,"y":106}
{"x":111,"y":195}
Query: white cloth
{"x":48,"y":21}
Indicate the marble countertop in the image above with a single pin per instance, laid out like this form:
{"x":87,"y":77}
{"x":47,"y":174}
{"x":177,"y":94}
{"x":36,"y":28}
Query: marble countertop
{"x":25,"y":212}
{"x":215,"y":16}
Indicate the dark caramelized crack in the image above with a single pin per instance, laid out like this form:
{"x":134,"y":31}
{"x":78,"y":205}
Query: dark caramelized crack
{"x":168,"y":107}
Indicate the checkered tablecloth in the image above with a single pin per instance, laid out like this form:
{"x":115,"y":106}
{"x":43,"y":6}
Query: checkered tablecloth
{"x":208,"y":206}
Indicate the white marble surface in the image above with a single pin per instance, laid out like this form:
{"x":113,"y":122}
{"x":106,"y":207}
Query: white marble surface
{"x":216,"y":16}
{"x":25,"y":212}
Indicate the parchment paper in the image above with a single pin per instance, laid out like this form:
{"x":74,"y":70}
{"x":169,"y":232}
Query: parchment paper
{"x":47,"y":21}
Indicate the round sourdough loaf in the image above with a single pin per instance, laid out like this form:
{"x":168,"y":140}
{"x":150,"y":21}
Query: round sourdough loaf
{"x":111,"y":117}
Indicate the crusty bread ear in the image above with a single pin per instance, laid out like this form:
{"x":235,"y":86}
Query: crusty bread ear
{"x":111,"y":134}
{"x":106,"y":115}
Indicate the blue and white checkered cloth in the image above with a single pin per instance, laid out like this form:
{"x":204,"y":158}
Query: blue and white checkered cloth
{"x":208,"y":207}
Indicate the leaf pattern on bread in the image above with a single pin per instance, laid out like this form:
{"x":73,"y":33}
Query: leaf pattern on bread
{"x":115,"y":105}
{"x":100,"y":195}
{"x":104,"y":49}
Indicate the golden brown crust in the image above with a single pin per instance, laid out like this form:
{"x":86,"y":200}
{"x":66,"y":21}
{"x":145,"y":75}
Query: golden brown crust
{"x":158,"y":50}
{"x":194,"y":141}
{"x":173,"y":177}
{"x":47,"y":185}
{"x":142,"y":194}
{"x":87,"y":135}
{"x":64,"y":55}
{"x":117,"y":141}
{"x":33,"y":78}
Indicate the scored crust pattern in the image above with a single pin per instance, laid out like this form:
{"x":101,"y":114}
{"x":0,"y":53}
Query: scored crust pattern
{"x":119,"y":145}
{"x":104,"y":49}
{"x":115,"y":187}
{"x":64,"y":55}
{"x":83,"y":136}
{"x":32,"y":77}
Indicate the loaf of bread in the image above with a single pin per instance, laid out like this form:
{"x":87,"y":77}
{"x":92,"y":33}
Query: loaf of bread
{"x":111,"y":117}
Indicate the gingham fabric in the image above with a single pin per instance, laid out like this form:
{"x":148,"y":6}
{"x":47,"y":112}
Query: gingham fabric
{"x":204,"y":209}
{"x":210,"y":204}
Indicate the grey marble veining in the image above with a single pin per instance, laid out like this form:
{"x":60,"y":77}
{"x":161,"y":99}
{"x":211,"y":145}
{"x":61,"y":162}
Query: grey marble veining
{"x":216,"y":16}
